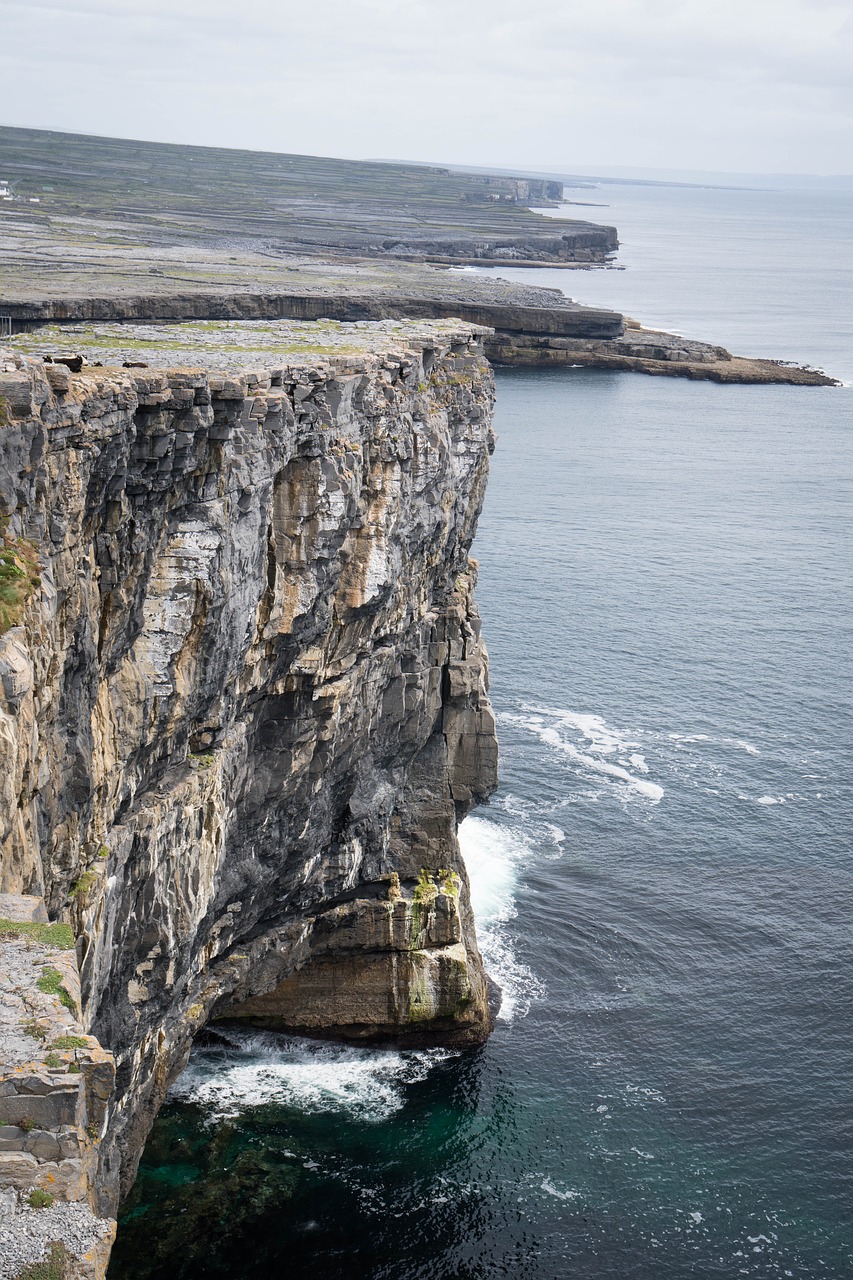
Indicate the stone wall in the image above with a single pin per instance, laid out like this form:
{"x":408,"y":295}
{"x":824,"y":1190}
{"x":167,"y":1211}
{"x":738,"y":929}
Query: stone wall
{"x":243,"y":706}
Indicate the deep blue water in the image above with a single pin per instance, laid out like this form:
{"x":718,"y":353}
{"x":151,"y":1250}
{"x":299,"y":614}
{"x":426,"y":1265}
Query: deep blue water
{"x":665,"y":879}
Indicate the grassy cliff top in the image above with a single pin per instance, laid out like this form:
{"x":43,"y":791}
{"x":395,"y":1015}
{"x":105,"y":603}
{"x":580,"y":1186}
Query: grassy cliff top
{"x":231,"y":345}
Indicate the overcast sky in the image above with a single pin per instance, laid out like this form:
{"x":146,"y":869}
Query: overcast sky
{"x":744,"y":85}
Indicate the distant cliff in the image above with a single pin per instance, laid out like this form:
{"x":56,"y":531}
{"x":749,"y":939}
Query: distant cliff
{"x":153,"y":195}
{"x":243,"y":697}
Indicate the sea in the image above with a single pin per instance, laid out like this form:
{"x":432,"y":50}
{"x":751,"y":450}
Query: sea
{"x":663,"y":882}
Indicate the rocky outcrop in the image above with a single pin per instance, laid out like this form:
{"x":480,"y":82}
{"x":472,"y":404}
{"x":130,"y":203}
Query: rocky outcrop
{"x":506,"y":190}
{"x":246,"y":706}
{"x":542,"y":331}
{"x":640,"y":350}
{"x":549,"y":317}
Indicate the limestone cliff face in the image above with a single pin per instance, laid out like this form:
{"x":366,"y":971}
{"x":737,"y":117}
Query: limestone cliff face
{"x":245,"y":706}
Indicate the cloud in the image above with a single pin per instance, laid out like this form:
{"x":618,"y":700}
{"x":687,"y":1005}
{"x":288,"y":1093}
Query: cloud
{"x":749,"y":84}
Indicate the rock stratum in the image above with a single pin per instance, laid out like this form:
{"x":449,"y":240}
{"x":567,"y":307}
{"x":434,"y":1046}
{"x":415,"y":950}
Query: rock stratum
{"x":243,"y":708}
{"x":530,"y":334}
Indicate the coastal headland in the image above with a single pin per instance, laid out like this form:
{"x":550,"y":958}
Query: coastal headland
{"x":103,"y":229}
{"x":243,"y":688}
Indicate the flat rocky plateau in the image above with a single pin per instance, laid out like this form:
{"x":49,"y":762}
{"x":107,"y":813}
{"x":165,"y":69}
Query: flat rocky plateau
{"x":101,"y":229}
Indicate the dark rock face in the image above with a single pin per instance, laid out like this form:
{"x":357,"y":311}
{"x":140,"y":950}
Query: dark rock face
{"x":248,"y":705}
{"x":549,"y":315}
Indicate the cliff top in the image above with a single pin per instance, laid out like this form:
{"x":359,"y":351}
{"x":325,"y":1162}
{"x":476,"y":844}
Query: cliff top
{"x":109,"y":229}
{"x":231,"y":346}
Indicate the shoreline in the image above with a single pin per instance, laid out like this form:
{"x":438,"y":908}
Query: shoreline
{"x":533,"y":337}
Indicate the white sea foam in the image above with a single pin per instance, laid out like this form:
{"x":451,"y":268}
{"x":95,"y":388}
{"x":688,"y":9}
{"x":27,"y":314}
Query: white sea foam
{"x":587,"y":740}
{"x":259,"y":1067}
{"x":557,"y":1192}
{"x":262,"y":1067}
{"x":740,"y":743}
{"x":493,"y":856}
{"x":642,"y":1093}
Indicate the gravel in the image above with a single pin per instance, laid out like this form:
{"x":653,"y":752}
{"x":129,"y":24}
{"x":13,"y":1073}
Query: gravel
{"x":26,"y":1234}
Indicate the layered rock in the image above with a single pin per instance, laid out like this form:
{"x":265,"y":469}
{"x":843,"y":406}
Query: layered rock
{"x":641,"y":350}
{"x":542,"y":329}
{"x":270,"y":206}
{"x":540,"y":314}
{"x":246,"y":705}
{"x":55,"y":1083}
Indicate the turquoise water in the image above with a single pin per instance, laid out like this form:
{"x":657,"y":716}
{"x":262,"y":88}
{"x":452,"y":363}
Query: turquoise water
{"x":664,"y":882}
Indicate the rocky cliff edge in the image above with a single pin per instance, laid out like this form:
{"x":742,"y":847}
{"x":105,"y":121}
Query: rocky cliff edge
{"x":243,"y":707}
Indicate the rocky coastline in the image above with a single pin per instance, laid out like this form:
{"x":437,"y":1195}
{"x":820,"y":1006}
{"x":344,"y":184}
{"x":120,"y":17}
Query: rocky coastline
{"x":123,"y":231}
{"x":531,"y":332}
{"x":243,"y":690}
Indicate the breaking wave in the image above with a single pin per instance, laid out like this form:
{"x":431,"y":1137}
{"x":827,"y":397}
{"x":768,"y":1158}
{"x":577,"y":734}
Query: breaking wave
{"x":256,"y":1068}
{"x":494,"y":857}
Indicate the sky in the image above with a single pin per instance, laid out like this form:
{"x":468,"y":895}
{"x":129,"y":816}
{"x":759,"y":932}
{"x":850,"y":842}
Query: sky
{"x":751,"y":86}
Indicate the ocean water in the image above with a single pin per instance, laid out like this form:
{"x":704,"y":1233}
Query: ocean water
{"x":663,"y":883}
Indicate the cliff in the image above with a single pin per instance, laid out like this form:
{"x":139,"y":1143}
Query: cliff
{"x":243,"y":695}
{"x":636,"y":349}
{"x":154,"y":194}
{"x":536,"y":329}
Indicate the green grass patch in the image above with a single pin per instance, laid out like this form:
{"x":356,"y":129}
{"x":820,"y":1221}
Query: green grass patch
{"x":19,"y":576}
{"x":50,"y":983}
{"x":70,"y":1042}
{"x":60,"y":936}
{"x":81,"y":887}
{"x":39,"y":1199}
{"x":53,"y":1267}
